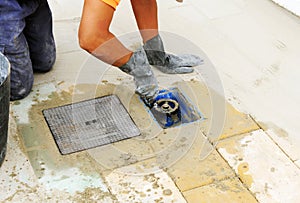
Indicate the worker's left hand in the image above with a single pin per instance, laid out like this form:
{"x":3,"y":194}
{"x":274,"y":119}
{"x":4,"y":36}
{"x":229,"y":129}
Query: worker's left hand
{"x":179,"y":64}
{"x":169,"y":63}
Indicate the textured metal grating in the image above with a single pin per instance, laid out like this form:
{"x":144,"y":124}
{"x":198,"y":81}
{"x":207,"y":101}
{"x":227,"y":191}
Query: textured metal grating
{"x":89,"y":124}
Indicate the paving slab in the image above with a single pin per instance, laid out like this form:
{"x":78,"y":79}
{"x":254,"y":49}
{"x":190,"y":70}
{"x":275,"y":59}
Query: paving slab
{"x":200,"y":165}
{"x":133,"y":184}
{"x":298,"y":163}
{"x":222,"y":120}
{"x":286,"y":142}
{"x":262,"y":167}
{"x":230,"y":190}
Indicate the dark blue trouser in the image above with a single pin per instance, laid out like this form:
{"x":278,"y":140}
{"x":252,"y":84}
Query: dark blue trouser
{"x":26,"y":39}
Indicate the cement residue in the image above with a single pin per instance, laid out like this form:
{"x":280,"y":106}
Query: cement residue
{"x":93,"y":195}
{"x":167,"y":192}
{"x":230,"y":146}
{"x":247,"y":179}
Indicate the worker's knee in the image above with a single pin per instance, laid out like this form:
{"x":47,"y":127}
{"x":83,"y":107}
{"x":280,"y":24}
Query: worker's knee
{"x":21,"y":79}
{"x":39,"y":36}
{"x":21,"y":76}
{"x":20,"y":89}
{"x":44,"y":61}
{"x":90,"y":41}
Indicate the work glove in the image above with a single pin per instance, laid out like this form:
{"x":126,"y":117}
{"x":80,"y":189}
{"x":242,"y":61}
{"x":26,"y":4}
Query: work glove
{"x":145,"y":81}
{"x":169,"y":63}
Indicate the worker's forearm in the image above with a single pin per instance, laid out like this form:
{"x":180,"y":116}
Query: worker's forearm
{"x":109,"y":49}
{"x":95,"y":37}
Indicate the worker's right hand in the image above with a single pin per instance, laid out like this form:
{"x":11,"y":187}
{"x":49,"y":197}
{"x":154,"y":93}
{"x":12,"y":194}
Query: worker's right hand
{"x":145,"y":81}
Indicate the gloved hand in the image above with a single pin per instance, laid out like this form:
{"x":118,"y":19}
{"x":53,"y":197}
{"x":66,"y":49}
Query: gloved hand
{"x":169,"y":63}
{"x":145,"y":81}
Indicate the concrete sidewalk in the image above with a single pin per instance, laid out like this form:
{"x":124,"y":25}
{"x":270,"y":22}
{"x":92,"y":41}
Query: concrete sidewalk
{"x":253,"y":46}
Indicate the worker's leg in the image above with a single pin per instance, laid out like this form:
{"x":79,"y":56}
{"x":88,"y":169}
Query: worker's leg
{"x":39,"y":36}
{"x":14,"y":46}
{"x":146,"y":16}
{"x":145,"y":12}
{"x":95,"y":37}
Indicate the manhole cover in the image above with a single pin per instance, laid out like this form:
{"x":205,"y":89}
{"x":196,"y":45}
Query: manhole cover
{"x":89,"y":124}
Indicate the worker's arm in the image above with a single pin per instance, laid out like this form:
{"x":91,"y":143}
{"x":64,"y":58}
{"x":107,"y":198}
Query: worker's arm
{"x":145,"y":12}
{"x":95,"y":37}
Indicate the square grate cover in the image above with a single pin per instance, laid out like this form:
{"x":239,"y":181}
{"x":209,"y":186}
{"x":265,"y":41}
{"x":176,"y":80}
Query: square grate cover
{"x":88,"y":124}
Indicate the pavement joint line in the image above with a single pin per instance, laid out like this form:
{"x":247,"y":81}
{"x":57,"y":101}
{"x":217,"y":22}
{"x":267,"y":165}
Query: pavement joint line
{"x":181,"y":192}
{"x":252,"y":117}
{"x":281,"y":149}
{"x":111,"y":170}
{"x":234,"y":135}
{"x":210,"y":183}
{"x":296,"y":164}
{"x":108,"y":187}
{"x":71,"y":51}
{"x":214,"y":143}
{"x":237,"y":175}
{"x":253,"y":194}
{"x":221,"y":180}
{"x":285,"y":9}
{"x":75,"y":19}
{"x":131,"y":164}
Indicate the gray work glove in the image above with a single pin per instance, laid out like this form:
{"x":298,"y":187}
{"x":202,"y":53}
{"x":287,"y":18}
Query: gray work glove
{"x":145,"y":81}
{"x":169,"y":63}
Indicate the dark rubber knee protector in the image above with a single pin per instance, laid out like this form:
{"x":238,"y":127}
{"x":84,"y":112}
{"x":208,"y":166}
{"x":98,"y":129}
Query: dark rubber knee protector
{"x":39,"y":36}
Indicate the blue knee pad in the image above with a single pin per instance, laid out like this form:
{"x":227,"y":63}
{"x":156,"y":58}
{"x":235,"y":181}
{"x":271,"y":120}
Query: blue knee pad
{"x":26,"y":39}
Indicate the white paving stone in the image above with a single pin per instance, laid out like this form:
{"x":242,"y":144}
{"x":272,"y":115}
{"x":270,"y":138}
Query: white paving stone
{"x":291,"y":5}
{"x":297,"y":163}
{"x":288,"y":144}
{"x":143,"y":187}
{"x":263,"y":167}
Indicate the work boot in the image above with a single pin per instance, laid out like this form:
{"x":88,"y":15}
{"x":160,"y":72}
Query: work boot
{"x":145,"y":81}
{"x":169,"y":63}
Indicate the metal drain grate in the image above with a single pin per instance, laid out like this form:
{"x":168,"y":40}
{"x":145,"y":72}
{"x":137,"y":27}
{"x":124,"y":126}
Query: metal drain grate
{"x":89,"y":124}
